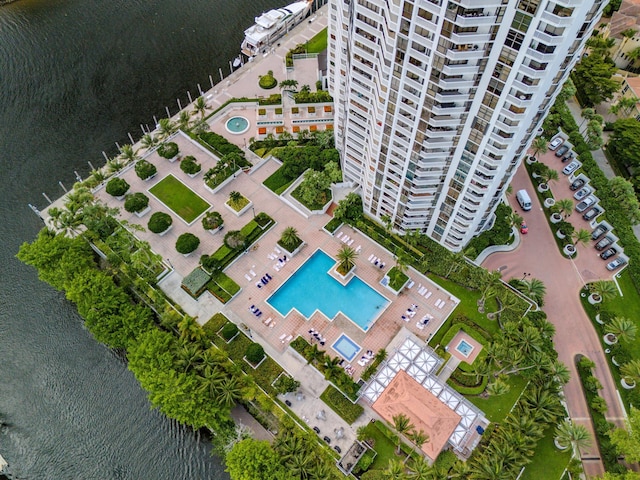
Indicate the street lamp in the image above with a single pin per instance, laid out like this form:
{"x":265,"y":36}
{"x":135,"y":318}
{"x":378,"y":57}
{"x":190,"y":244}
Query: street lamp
{"x":254,"y":212}
{"x":525,"y":275}
{"x":169,"y":262}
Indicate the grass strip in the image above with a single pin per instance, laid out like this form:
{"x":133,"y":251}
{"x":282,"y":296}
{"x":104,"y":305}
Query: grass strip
{"x":183,"y":201}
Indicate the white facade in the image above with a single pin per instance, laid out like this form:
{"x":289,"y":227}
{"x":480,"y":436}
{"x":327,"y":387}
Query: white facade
{"x":436,"y":101}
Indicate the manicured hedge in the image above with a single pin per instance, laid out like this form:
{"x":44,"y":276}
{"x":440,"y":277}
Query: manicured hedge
{"x":278,"y":182}
{"x":251,"y":231}
{"x":213,"y":325}
{"x":333,"y":225}
{"x":348,"y":411}
{"x":499,"y":234}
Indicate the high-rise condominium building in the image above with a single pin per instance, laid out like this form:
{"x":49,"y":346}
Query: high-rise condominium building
{"x":436,"y":101}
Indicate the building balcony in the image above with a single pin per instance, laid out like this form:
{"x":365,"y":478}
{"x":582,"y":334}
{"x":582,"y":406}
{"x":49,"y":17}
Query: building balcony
{"x":459,"y":69}
{"x":540,"y":56}
{"x":555,"y":20}
{"x":455,"y":83}
{"x":548,"y":39}
{"x":467,"y":20}
{"x":455,"y":96}
{"x":471,"y":38}
{"x":532,"y":72}
{"x":453,"y":110}
{"x":465,"y":52}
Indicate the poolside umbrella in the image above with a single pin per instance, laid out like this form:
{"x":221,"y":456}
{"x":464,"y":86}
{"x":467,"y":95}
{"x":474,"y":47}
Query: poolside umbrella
{"x":321,"y":415}
{"x":340,"y":433}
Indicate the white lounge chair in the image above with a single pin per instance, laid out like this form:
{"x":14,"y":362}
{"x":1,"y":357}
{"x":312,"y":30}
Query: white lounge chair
{"x":288,"y":339}
{"x":351,"y":241}
{"x":272,"y":324}
{"x":339,"y":235}
{"x":428,"y":294}
{"x":358,"y":248}
{"x":276,"y":267}
{"x":253,"y":274}
{"x":267,"y":321}
{"x":442,"y":304}
{"x":282,"y":337}
{"x":278,"y":251}
{"x":362,"y":363}
{"x":420,"y":326}
{"x":370,"y":258}
{"x":410,"y":284}
{"x":247,"y":277}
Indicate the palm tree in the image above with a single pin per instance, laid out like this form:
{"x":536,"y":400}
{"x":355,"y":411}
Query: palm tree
{"x":402,"y":261}
{"x":498,"y":387}
{"x":542,"y":404}
{"x":491,"y":284}
{"x":188,"y":356}
{"x":488,"y":467}
{"x":568,"y":434}
{"x":235,"y":196}
{"x":127,"y":153}
{"x":633,"y":56}
{"x":63,"y":220}
{"x":559,"y":372}
{"x":514,"y":220}
{"x":624,"y":104}
{"x":623,"y":328}
{"x":606,"y":289}
{"x":149,"y":141}
{"x":549,"y":175}
{"x":184,"y":120}
{"x":539,"y":146}
{"x":460,"y":470}
{"x":547,"y":329}
{"x":395,"y":470}
{"x":418,"y":438}
{"x":288,"y":85}
{"x":165,"y":128}
{"x":314,"y":353}
{"x":346,"y":258}
{"x":534,"y":289}
{"x":300,"y":465}
{"x":228,"y":391}
{"x":631,"y":371}
{"x":199,"y":107}
{"x":331,"y":366}
{"x":289,"y":238}
{"x":403,"y":426}
{"x":420,"y":469}
{"x":564,"y":207}
{"x":507,"y":301}
{"x":581,"y":236}
{"x":191,"y":330}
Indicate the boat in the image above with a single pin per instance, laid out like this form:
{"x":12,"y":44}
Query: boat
{"x":272,"y":25}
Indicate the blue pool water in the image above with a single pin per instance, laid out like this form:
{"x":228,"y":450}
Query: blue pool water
{"x":346,"y":347}
{"x":311,"y":288}
{"x":464,"y":348}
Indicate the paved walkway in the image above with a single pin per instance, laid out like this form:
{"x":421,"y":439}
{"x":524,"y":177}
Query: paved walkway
{"x":539,"y":255}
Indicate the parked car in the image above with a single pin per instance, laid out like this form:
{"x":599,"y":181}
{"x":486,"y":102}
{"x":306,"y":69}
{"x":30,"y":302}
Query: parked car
{"x":572,"y":167}
{"x":555,"y":143}
{"x":577,"y":183}
{"x":609,"y":252}
{"x":599,"y":231}
{"x":583,"y":192}
{"x":523,"y":228}
{"x":586,"y":203}
{"x":604,"y":243}
{"x":567,"y":157}
{"x":618,"y":262}
{"x":591,"y":214}
{"x":561,"y":151}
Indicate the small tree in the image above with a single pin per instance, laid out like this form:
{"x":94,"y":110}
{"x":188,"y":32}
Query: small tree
{"x":145,"y":169}
{"x":117,"y":187}
{"x":209,"y":263}
{"x":254,"y":353}
{"x":159,"y":222}
{"x":136,"y":202}
{"x":606,"y":289}
{"x":212,"y":220}
{"x":187,"y":243}
{"x":349,"y":209}
{"x":235,"y":240}
{"x":346,"y":258}
{"x":290,"y":239}
{"x":229,"y":331}
{"x":168,"y":150}
{"x":189,"y":165}
{"x":623,"y":328}
{"x":564,"y":207}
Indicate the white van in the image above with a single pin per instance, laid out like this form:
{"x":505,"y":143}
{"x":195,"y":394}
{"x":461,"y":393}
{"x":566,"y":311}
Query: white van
{"x":524,"y":200}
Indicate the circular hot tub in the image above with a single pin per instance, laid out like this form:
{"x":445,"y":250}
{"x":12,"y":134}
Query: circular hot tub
{"x":237,"y":125}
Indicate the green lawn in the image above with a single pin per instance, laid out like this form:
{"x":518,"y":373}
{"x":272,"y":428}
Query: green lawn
{"x":384,"y":447}
{"x":468,"y":304}
{"x":318,"y":43}
{"x":496,"y":408}
{"x":178,"y":197}
{"x":548,"y":462}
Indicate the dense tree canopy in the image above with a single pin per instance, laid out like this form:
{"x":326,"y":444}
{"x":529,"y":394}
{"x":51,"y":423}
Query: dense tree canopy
{"x":593,"y":78}
{"x":624,"y":142}
{"x":627,"y":441}
{"x":255,"y":460}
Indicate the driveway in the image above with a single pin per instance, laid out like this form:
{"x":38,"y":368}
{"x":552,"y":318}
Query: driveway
{"x":539,"y":256}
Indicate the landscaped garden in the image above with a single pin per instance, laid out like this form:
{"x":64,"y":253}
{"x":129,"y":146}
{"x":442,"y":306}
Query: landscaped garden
{"x":183,"y":201}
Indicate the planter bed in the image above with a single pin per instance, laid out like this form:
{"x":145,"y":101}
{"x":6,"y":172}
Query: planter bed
{"x":251,"y":231}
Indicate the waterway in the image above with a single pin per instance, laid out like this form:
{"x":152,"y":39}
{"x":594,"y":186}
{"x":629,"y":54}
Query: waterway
{"x":75,"y":77}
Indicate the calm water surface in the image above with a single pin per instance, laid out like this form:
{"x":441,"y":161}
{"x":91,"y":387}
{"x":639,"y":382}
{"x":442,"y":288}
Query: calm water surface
{"x":75,"y":77}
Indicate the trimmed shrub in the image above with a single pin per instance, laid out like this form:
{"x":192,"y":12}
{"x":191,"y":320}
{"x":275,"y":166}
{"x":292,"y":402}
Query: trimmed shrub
{"x":347,"y":410}
{"x":285,"y":384}
{"x":235,"y":240}
{"x":136,"y":202}
{"x":268,"y":81}
{"x":187,"y":243}
{"x":117,"y":187}
{"x":212,"y":220}
{"x":189,"y":165}
{"x":159,"y":222}
{"x":229,"y":331}
{"x":145,"y":169}
{"x":168,"y":150}
{"x":254,"y":353}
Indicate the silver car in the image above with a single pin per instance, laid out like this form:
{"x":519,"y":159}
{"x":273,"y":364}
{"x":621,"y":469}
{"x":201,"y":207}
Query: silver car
{"x":583,"y":192}
{"x":586,"y":203}
{"x":572,"y":167}
{"x":618,"y":262}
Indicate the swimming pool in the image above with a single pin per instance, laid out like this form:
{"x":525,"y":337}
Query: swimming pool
{"x":311,"y":288}
{"x":464,"y":348}
{"x":346,"y":347}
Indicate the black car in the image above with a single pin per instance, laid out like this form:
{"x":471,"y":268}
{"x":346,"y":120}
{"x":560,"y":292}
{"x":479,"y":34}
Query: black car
{"x":591,"y":214}
{"x":567,"y":157}
{"x":561,"y":151}
{"x":609,"y":252}
{"x":577,"y":184}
